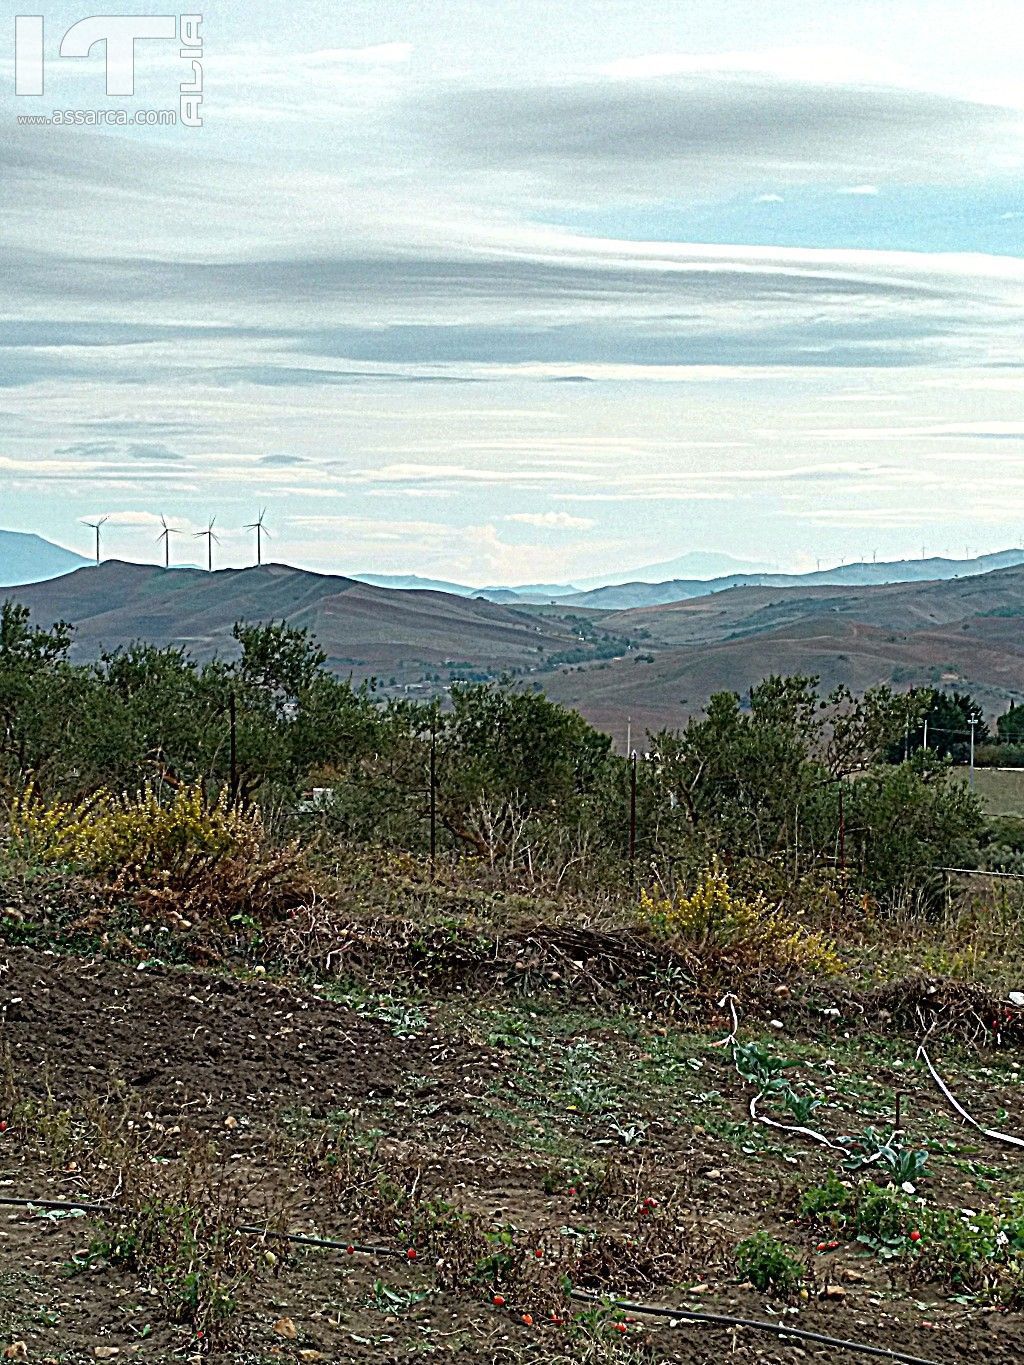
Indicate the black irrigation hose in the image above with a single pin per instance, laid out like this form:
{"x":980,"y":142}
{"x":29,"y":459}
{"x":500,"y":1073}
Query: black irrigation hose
{"x":301,"y":1239}
{"x":755,"y":1325}
{"x":621,"y":1305}
{"x":55,"y":1204}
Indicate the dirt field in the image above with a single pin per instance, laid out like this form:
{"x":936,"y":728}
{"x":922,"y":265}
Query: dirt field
{"x":617,"y":1146}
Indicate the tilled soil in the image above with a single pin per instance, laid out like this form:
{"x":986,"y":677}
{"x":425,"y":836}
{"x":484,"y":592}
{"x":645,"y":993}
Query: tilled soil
{"x":213,"y":1052}
{"x":184,"y":1038}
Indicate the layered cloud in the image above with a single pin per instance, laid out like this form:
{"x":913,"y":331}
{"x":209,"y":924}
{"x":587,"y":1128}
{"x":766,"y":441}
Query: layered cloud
{"x":719,"y":129}
{"x":466,"y":304}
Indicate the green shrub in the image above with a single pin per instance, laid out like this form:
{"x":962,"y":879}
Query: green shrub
{"x":768,"y":1265}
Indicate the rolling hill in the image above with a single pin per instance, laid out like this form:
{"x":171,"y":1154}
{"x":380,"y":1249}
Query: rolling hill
{"x":965,"y":633}
{"x":26,"y":558}
{"x":656,"y":664}
{"x":364,"y":630}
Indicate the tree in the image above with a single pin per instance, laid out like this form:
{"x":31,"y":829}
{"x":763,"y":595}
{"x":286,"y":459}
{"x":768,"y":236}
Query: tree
{"x":905,"y":823}
{"x":763,"y":785}
{"x":1010,"y":725}
{"x":509,"y":759}
{"x":33,"y":672}
{"x":949,"y":716}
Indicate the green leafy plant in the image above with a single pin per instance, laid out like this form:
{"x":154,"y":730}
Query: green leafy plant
{"x":828,"y":1202}
{"x":904,"y":1165}
{"x":769,"y":1265}
{"x":801,"y":1107}
{"x":758,"y":1067}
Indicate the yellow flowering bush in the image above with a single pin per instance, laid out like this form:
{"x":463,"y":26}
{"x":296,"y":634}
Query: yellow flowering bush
{"x":715,"y":922}
{"x":115,"y":833}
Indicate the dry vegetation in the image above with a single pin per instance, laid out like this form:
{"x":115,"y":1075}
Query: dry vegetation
{"x":550,"y":1094}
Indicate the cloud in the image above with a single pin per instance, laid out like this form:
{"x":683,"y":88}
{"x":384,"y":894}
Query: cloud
{"x":703,"y":128}
{"x":116,"y":450}
{"x":866,"y":191}
{"x":559,"y":521}
{"x":815,"y":64}
{"x":409,"y":325}
{"x":376,"y":54}
{"x":283,"y":461}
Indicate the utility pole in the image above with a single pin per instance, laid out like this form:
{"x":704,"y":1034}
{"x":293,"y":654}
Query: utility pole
{"x":632,"y":818}
{"x":973,"y":723}
{"x":925,"y":744}
{"x":433,"y":793}
{"x":842,"y":842}
{"x":629,"y":734}
{"x":233,"y":742}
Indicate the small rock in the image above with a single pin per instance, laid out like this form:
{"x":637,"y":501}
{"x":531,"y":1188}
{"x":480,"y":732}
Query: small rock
{"x":106,"y":1352}
{"x":16,"y":1351}
{"x":834,"y":1291}
{"x":284,"y":1327}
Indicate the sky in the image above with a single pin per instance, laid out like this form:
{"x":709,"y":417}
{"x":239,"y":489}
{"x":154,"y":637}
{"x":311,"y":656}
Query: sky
{"x":527,"y":292}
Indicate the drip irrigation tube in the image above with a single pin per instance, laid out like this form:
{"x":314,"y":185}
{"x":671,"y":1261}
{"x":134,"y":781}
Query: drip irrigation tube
{"x":620,"y":1305}
{"x":755,"y":1325}
{"x":299,"y":1238}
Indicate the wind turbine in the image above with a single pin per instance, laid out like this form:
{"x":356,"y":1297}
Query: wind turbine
{"x":165,"y":536}
{"x":261,"y":531}
{"x":211,"y":536}
{"x":95,"y":526}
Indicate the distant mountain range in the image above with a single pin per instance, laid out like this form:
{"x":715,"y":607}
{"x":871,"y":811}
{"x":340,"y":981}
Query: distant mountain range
{"x":27,"y":558}
{"x":656,"y":664}
{"x":414,"y":583}
{"x":696,"y":564}
{"x":643,"y":594}
{"x":963,"y":633}
{"x":652,"y":586}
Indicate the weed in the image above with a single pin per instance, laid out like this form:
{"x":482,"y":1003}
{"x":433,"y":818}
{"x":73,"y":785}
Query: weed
{"x":769,"y":1265}
{"x":182,"y":1235}
{"x":387,"y":1299}
{"x":721,"y":927}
